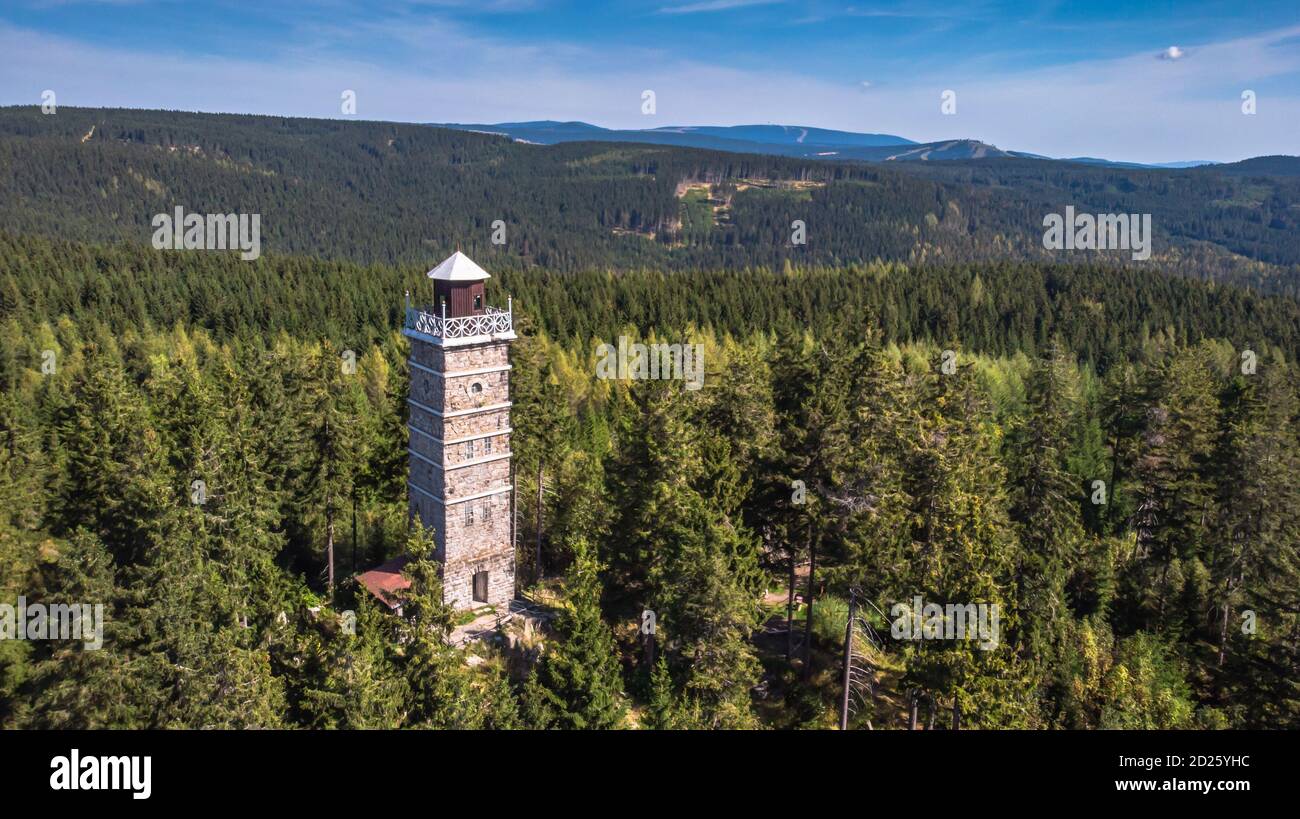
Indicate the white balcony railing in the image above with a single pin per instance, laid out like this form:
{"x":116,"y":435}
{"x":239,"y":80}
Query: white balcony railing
{"x":491,"y":323}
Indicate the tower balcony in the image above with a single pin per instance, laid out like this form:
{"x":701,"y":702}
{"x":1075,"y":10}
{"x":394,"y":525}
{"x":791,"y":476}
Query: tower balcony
{"x":434,"y":325}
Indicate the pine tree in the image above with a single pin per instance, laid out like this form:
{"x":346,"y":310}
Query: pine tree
{"x":963,"y":553}
{"x":1122,"y":418}
{"x":1175,"y":499}
{"x":868,"y":504}
{"x":1045,"y":511}
{"x":70,"y":686}
{"x":1146,"y":688}
{"x":541,"y":423}
{"x":1255,"y":556}
{"x":661,"y":711}
{"x":355,"y":679}
{"x":335,"y":441}
{"x":444,"y":691}
{"x":113,"y":478}
{"x":686,"y":559}
{"x":577,"y":683}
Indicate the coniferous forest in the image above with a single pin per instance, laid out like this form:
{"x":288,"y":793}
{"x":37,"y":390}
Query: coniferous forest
{"x":920,"y":402}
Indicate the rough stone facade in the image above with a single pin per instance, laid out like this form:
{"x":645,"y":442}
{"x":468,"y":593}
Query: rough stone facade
{"x":460,"y":480}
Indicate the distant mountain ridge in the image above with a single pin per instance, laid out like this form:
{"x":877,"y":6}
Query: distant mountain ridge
{"x":389,"y":192}
{"x":781,"y":140}
{"x":789,"y":135}
{"x":1092,"y":160}
{"x":775,"y":140}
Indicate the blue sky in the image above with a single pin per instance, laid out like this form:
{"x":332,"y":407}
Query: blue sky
{"x":1151,"y":81}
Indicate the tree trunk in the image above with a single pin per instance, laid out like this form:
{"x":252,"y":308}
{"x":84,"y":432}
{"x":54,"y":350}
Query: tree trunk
{"x":1223,"y":636}
{"x":354,"y":530}
{"x":1114,"y":471}
{"x":514,"y":523}
{"x":329,"y":549}
{"x":956,"y":714}
{"x":807,"y":630}
{"x":789,"y":608}
{"x":912,"y":709}
{"x":848,"y":662}
{"x":538,"y":555}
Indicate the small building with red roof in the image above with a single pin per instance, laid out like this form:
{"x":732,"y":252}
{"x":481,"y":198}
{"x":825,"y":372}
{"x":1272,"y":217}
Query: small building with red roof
{"x":386,"y":580}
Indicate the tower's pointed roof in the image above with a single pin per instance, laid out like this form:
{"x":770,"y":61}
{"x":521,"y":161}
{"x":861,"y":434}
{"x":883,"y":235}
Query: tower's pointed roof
{"x":458,"y":268}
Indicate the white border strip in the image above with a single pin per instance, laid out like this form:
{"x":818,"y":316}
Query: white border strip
{"x":458,"y":342}
{"x":475,"y":462}
{"x":457,"y":373}
{"x":458,"y":413}
{"x":441,"y":502}
{"x":474,"y":437}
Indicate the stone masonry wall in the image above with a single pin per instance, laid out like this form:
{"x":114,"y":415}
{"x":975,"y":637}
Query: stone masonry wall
{"x":477,"y":423}
{"x":458,"y":581}
{"x":472,"y":535}
{"x":477,"y":478}
{"x":480,"y":545}
{"x":481,"y":446}
{"x":429,"y":513}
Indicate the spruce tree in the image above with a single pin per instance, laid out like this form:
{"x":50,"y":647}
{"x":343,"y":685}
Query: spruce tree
{"x":1045,"y":510}
{"x":577,"y":682}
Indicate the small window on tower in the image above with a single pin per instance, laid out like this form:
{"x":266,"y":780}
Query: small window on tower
{"x":487,"y":511}
{"x":476,"y":388}
{"x":499,"y":420}
{"x":469,"y":514}
{"x":487,"y":446}
{"x":469,"y":449}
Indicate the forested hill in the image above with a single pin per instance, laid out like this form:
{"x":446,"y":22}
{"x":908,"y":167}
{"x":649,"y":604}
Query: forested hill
{"x":399,"y":193}
{"x":1105,"y":315}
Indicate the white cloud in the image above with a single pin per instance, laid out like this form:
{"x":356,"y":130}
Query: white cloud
{"x":1172,"y":53}
{"x":714,"y":5}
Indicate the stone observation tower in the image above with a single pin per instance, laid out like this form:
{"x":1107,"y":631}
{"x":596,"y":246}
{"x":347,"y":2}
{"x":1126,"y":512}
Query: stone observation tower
{"x":460,"y":482}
